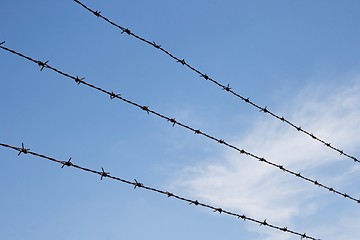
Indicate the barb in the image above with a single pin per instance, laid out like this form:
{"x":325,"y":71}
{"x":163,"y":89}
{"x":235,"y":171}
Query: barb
{"x":196,"y":131}
{"x":23,"y":150}
{"x":137,"y":184}
{"x":222,"y":86}
{"x":104,"y":174}
{"x":68,"y":163}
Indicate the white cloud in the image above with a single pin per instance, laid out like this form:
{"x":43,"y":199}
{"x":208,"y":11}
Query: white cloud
{"x":245,"y":185}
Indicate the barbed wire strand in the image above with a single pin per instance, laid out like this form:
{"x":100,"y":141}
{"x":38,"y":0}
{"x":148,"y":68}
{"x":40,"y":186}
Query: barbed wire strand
{"x":137,"y":184}
{"x":227,"y":87}
{"x":174,"y":122}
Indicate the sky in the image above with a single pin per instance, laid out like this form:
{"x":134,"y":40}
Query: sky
{"x":300,"y":59}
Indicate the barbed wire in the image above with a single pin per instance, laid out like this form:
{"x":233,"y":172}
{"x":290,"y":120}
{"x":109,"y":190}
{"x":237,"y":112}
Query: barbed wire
{"x":227,"y":87}
{"x":174,"y":122}
{"x":136,"y":184}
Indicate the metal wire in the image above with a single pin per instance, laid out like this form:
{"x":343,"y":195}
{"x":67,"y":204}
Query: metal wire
{"x":227,"y":87}
{"x":174,"y":122}
{"x":137,"y":184}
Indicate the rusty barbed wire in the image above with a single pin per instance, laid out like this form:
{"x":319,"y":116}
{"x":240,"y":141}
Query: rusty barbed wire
{"x":173,"y":121}
{"x":227,"y":87}
{"x":137,"y":184}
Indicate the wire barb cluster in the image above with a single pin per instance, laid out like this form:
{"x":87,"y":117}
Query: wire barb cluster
{"x":196,"y":131}
{"x":23,"y":149}
{"x":137,"y":184}
{"x":227,"y":87}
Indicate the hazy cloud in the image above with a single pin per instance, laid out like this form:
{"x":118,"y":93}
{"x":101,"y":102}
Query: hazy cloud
{"x":247,"y":186}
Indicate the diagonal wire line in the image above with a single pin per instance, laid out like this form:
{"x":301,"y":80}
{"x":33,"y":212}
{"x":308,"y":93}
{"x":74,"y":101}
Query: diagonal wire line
{"x":137,"y":184}
{"x":227,"y":87}
{"x":174,"y":122}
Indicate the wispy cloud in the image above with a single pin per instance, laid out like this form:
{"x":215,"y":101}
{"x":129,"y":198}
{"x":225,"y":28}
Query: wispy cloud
{"x":246,"y":185}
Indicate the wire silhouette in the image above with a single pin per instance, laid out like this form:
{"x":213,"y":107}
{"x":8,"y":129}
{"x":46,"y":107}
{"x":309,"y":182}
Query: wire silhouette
{"x":137,"y":184}
{"x":174,"y":122}
{"x":227,"y":87}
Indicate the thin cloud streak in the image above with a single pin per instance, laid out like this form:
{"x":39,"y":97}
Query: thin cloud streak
{"x":248,"y":186}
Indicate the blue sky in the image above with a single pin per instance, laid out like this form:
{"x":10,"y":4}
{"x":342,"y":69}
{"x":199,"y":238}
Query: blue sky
{"x":298,"y":58}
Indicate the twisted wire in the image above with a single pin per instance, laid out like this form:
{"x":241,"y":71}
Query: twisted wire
{"x":227,"y":87}
{"x":137,"y":184}
{"x":174,"y":122}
